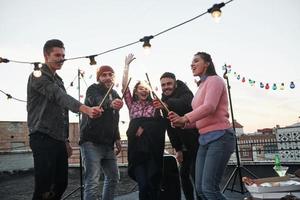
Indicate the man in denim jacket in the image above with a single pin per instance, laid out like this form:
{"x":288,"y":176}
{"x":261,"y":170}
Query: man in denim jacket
{"x":48,"y":123}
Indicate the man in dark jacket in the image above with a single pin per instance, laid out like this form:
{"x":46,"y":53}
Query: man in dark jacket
{"x":98,"y":136}
{"x":48,"y":123}
{"x":177,"y":97}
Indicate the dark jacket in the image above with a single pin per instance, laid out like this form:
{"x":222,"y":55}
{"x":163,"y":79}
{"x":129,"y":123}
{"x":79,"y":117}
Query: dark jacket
{"x":105,"y":129}
{"x":148,"y":146}
{"x":48,"y":105}
{"x":180,"y":102}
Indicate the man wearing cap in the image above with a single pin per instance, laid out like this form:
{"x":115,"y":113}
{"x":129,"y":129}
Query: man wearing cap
{"x":98,"y":137}
{"x":177,"y":97}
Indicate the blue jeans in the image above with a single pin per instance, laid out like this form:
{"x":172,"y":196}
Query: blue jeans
{"x":96,"y":157}
{"x":211,"y":162}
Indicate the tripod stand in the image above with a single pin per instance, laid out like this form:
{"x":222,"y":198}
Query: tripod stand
{"x":238,"y":168}
{"x":80,"y":160}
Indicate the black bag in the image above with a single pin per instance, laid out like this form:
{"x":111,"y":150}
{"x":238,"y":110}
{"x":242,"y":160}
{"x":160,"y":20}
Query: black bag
{"x":170,"y":184}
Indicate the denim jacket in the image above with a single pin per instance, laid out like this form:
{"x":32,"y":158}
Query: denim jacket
{"x":48,"y":105}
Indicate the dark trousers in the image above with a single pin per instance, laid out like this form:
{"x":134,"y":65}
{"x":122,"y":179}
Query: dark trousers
{"x":187,"y":174}
{"x":50,"y":167}
{"x":148,"y":184}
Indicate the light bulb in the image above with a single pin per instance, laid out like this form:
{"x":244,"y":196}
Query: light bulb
{"x":147,"y":51}
{"x":37,"y":73}
{"x":292,"y":85}
{"x":146,"y":41}
{"x":215,"y":11}
{"x":216,"y":15}
{"x":92,"y":60}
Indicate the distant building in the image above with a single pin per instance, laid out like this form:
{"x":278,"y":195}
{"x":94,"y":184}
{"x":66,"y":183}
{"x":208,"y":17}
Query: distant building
{"x":13,"y":136}
{"x":289,"y":142}
{"x":257,"y":147}
{"x":265,"y":131}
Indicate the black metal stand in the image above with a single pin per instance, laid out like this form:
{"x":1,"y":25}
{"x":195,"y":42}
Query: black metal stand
{"x":238,"y":168}
{"x":80,"y":160}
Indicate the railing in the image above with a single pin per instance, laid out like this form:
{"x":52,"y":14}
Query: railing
{"x":122,"y":156}
{"x":288,"y":151}
{"x":262,"y":152}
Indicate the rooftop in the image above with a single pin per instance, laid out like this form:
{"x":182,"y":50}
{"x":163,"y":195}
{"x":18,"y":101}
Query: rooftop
{"x":19,"y":185}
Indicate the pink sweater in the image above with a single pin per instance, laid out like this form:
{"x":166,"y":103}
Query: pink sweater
{"x":210,"y":106}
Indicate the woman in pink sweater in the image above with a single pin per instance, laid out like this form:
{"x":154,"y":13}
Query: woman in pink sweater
{"x":210,"y":117}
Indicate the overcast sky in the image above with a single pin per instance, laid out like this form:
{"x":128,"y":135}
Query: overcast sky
{"x":260,"y":39}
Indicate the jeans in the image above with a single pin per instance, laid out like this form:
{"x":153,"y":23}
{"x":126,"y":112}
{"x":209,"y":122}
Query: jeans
{"x":50,"y":167}
{"x":97,"y":157}
{"x":211,"y":162}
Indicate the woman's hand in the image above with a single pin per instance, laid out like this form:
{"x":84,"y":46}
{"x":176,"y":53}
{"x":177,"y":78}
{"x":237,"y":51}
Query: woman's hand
{"x":158,"y":105}
{"x":129,"y":59}
{"x":139,"y":132}
{"x":176,"y":120}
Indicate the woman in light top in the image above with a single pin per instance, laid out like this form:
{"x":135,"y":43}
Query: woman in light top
{"x":145,"y":138}
{"x":210,"y":117}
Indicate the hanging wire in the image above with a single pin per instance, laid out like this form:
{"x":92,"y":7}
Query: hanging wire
{"x":4,"y":60}
{"x":11,"y":97}
{"x":104,"y":52}
{"x":83,"y":80}
{"x":72,"y":82}
{"x":187,"y":21}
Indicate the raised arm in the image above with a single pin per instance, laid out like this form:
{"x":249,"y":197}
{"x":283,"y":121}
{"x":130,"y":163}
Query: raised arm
{"x":128,"y":60}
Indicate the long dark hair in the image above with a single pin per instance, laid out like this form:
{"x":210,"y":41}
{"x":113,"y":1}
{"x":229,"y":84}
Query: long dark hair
{"x":135,"y":97}
{"x":211,"y":67}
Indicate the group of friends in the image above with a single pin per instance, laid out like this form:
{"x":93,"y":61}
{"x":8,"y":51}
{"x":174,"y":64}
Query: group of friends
{"x":197,"y":125}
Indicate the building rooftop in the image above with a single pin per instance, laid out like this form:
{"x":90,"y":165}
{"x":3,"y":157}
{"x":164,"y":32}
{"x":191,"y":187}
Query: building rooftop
{"x":20,"y":185}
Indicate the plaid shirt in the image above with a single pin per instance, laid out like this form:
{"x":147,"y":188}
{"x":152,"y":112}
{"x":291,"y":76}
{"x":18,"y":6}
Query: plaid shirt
{"x":138,"y":109}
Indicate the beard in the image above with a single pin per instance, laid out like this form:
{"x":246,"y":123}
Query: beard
{"x":107,"y":84}
{"x":168,"y":91}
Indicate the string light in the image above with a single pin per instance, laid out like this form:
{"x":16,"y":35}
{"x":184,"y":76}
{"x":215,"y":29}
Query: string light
{"x":275,"y":86}
{"x":37,"y":71}
{"x":3,"y":60}
{"x":292,"y":85}
{"x":146,"y":41}
{"x":267,"y":86}
{"x":213,"y":10}
{"x":216,"y":12}
{"x":11,"y":97}
{"x":92,"y":60}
